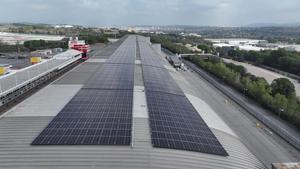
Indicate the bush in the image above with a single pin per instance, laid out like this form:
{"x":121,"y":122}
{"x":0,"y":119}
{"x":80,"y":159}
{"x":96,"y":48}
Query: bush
{"x":280,"y":59}
{"x":41,"y":44}
{"x":168,"y":44}
{"x":283,"y":86}
{"x":92,"y":39}
{"x":279,"y":97}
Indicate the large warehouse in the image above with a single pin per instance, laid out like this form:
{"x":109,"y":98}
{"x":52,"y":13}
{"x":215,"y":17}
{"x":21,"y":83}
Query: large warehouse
{"x":119,"y":109}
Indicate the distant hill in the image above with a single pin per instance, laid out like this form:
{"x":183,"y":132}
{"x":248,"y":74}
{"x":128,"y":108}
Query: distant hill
{"x":273,"y":25}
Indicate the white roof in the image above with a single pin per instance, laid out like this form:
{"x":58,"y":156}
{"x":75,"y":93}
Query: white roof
{"x":67,"y":54}
{"x":250,"y":47}
{"x":223,"y":45}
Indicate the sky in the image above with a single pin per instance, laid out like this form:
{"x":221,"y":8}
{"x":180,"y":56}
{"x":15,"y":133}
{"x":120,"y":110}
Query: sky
{"x":151,"y":12}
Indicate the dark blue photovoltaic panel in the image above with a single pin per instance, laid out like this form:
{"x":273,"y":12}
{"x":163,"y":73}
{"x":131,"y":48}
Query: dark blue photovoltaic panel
{"x":112,"y":76}
{"x":157,"y":79}
{"x":148,"y":56}
{"x":125,"y":54}
{"x":100,"y":117}
{"x":176,"y":124}
{"x":101,"y":112}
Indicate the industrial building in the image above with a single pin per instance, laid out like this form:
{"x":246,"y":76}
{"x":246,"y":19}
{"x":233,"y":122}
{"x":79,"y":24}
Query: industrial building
{"x":20,"y":38}
{"x":119,"y":109}
{"x":14,"y":83}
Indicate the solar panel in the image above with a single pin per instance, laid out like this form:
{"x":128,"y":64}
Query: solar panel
{"x":126,"y":53}
{"x":158,"y":79}
{"x":148,"y":56}
{"x":112,"y":76}
{"x":121,"y":60}
{"x":176,"y":124}
{"x":100,"y":117}
{"x":101,"y":112}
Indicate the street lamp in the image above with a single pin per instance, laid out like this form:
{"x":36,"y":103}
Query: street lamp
{"x":245,"y":91}
{"x":281,"y":110}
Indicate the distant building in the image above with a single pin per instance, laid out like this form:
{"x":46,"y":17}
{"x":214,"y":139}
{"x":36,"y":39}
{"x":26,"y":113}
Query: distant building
{"x":63,"y":26}
{"x":4,"y":69}
{"x":290,"y":48}
{"x":74,"y":41}
{"x":111,"y":32}
{"x":57,"y":50}
{"x":41,"y":53}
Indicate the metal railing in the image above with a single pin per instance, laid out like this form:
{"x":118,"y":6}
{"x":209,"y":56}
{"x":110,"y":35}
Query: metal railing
{"x":19,"y":78}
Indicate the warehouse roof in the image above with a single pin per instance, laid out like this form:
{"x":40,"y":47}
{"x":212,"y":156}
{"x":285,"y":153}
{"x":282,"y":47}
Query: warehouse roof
{"x":23,"y":123}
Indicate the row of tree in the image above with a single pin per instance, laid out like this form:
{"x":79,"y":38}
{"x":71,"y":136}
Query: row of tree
{"x":280,"y":59}
{"x":92,"y":39}
{"x":279,"y":97}
{"x":33,"y":45}
{"x":205,"y":48}
{"x":166,"y":42}
{"x":6,"y":48}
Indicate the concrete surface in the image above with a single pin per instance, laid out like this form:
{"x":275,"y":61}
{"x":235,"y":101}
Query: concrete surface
{"x":208,"y":115}
{"x":47,"y":102}
{"x":139,"y":102}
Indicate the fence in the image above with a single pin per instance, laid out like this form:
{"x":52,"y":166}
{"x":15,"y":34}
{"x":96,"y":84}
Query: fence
{"x":19,"y":78}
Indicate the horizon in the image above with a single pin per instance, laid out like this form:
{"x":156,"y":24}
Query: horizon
{"x":296,"y":24}
{"x":215,"y":13}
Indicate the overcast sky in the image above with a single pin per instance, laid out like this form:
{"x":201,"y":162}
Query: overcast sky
{"x":151,"y":12}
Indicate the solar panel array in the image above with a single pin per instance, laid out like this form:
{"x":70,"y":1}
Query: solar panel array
{"x":158,"y":79}
{"x":174,"y":122}
{"x":112,"y":76}
{"x":125,"y":54}
{"x":148,"y":56}
{"x":92,"y":117}
{"x":101,"y":112}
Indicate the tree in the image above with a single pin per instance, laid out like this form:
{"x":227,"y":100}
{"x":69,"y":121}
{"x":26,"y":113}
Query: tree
{"x":92,"y":39}
{"x":255,"y":87}
{"x":283,"y":86}
{"x":267,"y":100}
{"x":292,"y":108}
{"x":237,"y":68}
{"x":204,"y":48}
{"x":41,"y":44}
{"x":280,"y":103}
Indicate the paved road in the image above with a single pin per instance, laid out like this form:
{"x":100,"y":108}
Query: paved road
{"x":267,"y":74}
{"x":269,"y":148}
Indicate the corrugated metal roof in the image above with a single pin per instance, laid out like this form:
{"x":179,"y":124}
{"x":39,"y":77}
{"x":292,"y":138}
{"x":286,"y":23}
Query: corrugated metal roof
{"x":19,"y":128}
{"x":16,"y":134}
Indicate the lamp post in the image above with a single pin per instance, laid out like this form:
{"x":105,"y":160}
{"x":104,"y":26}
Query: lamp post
{"x":281,"y":110}
{"x":245,"y":91}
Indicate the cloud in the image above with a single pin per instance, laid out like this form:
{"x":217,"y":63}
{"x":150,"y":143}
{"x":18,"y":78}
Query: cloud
{"x":39,"y":6}
{"x":142,"y":12}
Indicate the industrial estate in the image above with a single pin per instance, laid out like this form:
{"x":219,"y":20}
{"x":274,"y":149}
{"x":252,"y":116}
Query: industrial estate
{"x":144,"y":97}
